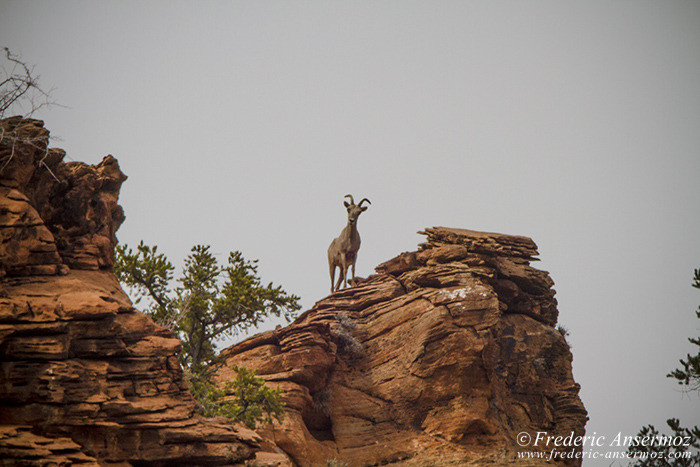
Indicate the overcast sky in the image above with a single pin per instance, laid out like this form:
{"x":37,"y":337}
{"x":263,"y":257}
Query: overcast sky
{"x":243,"y":124}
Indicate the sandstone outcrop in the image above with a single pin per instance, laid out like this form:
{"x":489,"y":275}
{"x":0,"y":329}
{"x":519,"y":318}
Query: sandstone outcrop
{"x":441,"y":358}
{"x":84,"y":377}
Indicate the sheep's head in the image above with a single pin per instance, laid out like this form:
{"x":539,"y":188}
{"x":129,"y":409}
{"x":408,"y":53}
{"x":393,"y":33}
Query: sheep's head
{"x":354,"y":210}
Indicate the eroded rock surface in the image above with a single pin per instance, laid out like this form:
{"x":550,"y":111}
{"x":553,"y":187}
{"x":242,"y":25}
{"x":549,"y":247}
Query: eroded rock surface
{"x":84,"y":377}
{"x":442,"y":358}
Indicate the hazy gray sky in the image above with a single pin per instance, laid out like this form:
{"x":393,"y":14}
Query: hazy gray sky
{"x":243,"y":124}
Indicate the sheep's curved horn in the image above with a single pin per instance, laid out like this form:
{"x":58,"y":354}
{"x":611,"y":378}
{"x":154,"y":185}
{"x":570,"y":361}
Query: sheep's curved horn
{"x":352,"y":201}
{"x":363,"y":200}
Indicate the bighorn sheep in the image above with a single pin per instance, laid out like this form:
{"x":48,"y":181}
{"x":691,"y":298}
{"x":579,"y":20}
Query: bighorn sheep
{"x":343,"y":250}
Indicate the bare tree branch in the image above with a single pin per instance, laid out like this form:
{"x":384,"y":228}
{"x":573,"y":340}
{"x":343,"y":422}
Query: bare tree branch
{"x":19,"y":86}
{"x":20,"y":90}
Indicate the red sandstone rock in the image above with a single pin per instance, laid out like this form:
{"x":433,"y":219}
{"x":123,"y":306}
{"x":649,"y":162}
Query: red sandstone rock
{"x":84,"y":378}
{"x":75,"y":202}
{"x":443,"y":357}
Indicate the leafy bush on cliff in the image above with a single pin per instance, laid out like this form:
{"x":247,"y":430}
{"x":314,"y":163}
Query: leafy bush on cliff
{"x":246,"y":399}
{"x":211,"y":302}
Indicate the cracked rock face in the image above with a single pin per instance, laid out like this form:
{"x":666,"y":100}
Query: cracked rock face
{"x":84,"y":377}
{"x":442,"y":357}
{"x":53,"y":214}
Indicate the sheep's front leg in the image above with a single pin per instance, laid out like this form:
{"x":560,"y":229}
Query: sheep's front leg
{"x":332,"y":272}
{"x":343,"y":271}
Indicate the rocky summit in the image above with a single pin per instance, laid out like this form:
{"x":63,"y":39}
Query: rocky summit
{"x":443,"y":357}
{"x":84,"y":377}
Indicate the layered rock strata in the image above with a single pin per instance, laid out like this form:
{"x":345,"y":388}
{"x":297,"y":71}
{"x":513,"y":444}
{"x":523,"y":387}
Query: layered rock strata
{"x":84,"y":377}
{"x":441,"y":358}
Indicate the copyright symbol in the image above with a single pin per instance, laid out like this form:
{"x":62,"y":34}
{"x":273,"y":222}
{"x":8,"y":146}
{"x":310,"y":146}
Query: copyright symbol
{"x":523,"y":439}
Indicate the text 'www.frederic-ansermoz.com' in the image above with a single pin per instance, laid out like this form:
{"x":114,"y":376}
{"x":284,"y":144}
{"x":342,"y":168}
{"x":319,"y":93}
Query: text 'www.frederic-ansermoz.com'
{"x":551,"y":448}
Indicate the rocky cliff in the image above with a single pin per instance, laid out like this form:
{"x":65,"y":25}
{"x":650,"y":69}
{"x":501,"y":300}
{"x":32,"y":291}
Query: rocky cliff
{"x":441,"y":358}
{"x":84,"y":377}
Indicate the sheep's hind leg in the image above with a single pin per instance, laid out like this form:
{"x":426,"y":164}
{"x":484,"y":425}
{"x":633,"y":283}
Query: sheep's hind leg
{"x":340,"y":279}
